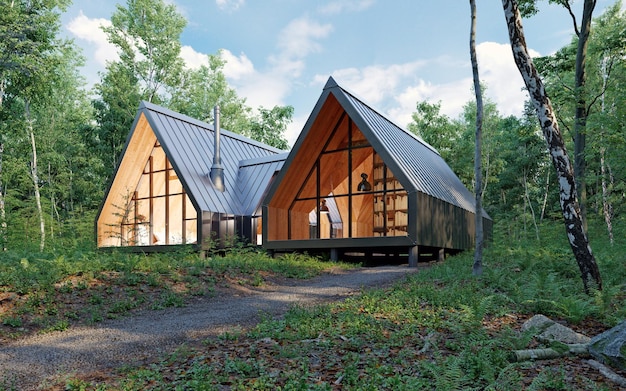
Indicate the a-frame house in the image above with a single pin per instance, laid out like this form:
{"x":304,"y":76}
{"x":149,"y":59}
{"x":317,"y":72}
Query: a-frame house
{"x":394,"y":193}
{"x":163,"y":193}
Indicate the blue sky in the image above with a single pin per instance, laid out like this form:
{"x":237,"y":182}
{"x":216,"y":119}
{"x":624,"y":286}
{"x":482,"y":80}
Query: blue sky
{"x":390,"y":53}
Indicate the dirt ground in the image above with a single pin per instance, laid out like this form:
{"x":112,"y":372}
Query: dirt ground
{"x":39,"y":360}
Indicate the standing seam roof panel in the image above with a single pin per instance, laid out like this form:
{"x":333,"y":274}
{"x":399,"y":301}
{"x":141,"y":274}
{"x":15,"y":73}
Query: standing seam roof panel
{"x":425,"y":168}
{"x":262,"y":173}
{"x":189,"y":145}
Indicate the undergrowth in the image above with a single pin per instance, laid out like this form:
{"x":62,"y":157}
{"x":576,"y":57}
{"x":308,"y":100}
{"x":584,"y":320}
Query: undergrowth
{"x":439,"y":329}
{"x":42,"y":292}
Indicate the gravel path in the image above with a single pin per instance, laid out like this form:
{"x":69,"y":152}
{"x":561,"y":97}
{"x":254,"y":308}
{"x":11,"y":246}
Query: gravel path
{"x":36,"y":361}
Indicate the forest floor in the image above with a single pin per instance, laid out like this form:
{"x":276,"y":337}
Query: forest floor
{"x":94,"y":352}
{"x":42,"y":360}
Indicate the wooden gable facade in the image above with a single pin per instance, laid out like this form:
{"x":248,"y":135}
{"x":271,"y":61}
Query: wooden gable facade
{"x":394,"y":194}
{"x":161,"y":194}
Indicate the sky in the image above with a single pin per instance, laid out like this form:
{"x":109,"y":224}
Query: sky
{"x":389,"y":53}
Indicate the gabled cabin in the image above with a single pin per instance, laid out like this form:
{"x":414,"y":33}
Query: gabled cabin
{"x":164,"y":192}
{"x":393,"y":193}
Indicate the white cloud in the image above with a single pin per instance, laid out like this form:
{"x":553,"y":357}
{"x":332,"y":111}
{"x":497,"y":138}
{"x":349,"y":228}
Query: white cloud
{"x":270,"y":87}
{"x":396,"y":88}
{"x":340,"y":6}
{"x":236,"y":67}
{"x":298,"y":37}
{"x":192,"y":58}
{"x":229,"y":5}
{"x":296,"y":41}
{"x":97,"y":46}
{"x":452,"y":96}
{"x":501,"y":76}
{"x":375,"y":84}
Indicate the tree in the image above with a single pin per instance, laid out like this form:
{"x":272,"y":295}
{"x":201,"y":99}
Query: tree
{"x":607,"y":71}
{"x":269,"y":126}
{"x":521,"y":183}
{"x":581,"y":109}
{"x":115,"y":109}
{"x":29,"y":56}
{"x":203,"y":88}
{"x":435,"y":128}
{"x":478,"y":190}
{"x":579,"y":243}
{"x":147,"y":35}
{"x":604,"y":67}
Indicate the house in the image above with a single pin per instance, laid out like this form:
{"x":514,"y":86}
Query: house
{"x":353,"y":184}
{"x":164,"y":194}
{"x":394,"y":193}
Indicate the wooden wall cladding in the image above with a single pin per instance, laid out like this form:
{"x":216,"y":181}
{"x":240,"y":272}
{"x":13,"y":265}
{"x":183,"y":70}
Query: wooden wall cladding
{"x":126,"y":179}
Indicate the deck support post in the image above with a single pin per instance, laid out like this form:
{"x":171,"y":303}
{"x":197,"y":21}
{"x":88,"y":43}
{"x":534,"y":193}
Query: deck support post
{"x":334,"y":254}
{"x":413,"y":256}
{"x":442,"y":255}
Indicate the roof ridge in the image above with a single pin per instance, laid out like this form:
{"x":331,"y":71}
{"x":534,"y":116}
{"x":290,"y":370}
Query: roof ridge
{"x":145,"y":105}
{"x":353,"y":96}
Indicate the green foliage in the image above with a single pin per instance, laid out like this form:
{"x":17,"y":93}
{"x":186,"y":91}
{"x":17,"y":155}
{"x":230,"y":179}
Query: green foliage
{"x":269,"y":126}
{"x":441,"y":328}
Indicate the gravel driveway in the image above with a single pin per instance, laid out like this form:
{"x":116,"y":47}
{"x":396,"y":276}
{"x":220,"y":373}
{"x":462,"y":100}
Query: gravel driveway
{"x":36,"y":361}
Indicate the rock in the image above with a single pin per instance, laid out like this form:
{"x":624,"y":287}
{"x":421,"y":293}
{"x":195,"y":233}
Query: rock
{"x":549,"y":330}
{"x":538,"y":322}
{"x":610,"y":347}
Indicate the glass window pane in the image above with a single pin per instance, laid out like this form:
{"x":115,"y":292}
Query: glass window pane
{"x":334,"y":173}
{"x":362,"y":215}
{"x":302,"y":218}
{"x":175,"y":221}
{"x":158,"y":221}
{"x":309,"y":189}
{"x":191,"y":231}
{"x":362,"y":169}
{"x":190,"y":211}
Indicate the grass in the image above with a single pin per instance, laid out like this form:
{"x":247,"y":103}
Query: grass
{"x":47,"y":292}
{"x":440,"y":329}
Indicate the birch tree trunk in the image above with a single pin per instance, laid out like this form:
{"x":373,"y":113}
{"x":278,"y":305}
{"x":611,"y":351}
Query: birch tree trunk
{"x":478,"y":187}
{"x":607,"y":207}
{"x":35,"y":177}
{"x":577,"y":237}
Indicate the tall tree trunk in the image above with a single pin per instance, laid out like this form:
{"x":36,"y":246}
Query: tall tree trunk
{"x":478,"y":187}
{"x":530,"y":204}
{"x":580,"y":138}
{"x":607,"y":207}
{"x":35,"y":177}
{"x":579,"y":243}
{"x":545,"y":196}
{"x":3,"y":217}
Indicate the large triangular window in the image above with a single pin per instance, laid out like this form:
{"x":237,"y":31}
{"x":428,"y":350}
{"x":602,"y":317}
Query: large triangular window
{"x":349,"y":192}
{"x":156,"y":211}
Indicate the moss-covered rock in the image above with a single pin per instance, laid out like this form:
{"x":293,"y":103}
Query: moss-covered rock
{"x":610,"y":346}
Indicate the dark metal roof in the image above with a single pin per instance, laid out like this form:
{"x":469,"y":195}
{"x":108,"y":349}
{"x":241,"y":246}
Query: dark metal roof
{"x":188,"y":144}
{"x":253,"y":179}
{"x":417,"y":165}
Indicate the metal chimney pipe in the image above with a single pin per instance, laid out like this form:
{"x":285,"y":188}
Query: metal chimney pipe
{"x":217,"y":171}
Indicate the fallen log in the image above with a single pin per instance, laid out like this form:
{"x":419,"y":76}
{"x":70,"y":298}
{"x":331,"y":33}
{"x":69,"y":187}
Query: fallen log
{"x":607,"y":372}
{"x":579,"y":349}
